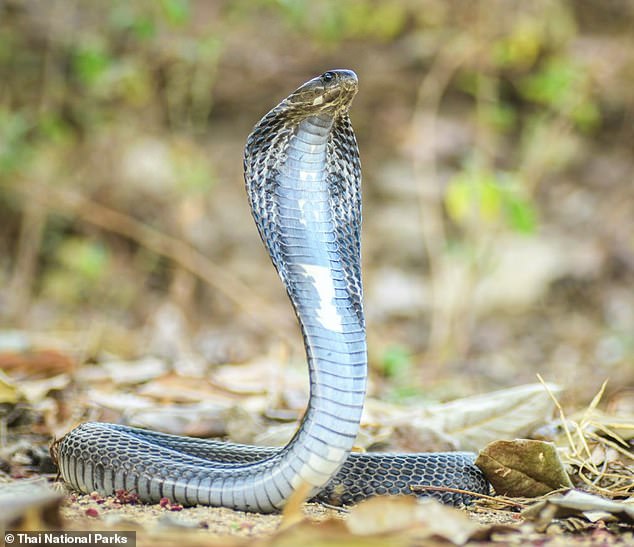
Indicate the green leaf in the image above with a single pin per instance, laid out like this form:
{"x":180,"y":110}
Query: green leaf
{"x":564,"y":86}
{"x":90,"y":62}
{"x":586,"y":116}
{"x":479,"y":197}
{"x":396,"y":361}
{"x":53,"y":127}
{"x":14,"y":146}
{"x":84,"y":257}
{"x":521,"y":47}
{"x":473,"y":196}
{"x":521,"y":215}
{"x":176,"y":11}
{"x":125,"y":16}
{"x":552,"y":85}
{"x":500,"y":116}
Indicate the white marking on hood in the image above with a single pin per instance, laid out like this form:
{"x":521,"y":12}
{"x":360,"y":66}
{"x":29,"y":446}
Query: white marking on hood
{"x":308,"y":175}
{"x":302,"y":212}
{"x":327,"y":313}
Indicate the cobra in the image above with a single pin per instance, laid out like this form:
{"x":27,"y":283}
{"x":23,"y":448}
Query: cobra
{"x":303,"y":177}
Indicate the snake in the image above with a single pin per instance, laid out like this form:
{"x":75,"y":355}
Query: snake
{"x":303,"y":181}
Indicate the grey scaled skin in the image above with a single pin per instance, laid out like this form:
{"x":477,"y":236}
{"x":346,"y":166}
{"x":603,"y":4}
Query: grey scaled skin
{"x":303,"y":180}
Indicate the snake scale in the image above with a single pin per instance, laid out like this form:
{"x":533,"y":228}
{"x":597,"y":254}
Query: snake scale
{"x":303,"y":179}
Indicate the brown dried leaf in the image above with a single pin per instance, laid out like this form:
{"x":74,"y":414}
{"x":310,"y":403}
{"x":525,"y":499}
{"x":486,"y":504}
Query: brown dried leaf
{"x":187,"y":389}
{"x":422,"y":518}
{"x":198,"y":420}
{"x":577,"y":503}
{"x":135,"y":372}
{"x":472,"y":422}
{"x":523,"y":468}
{"x":40,"y":362}
{"x":35,"y":391}
{"x":292,"y":513}
{"x":380,"y":515}
{"x":330,"y":533}
{"x":29,"y":504}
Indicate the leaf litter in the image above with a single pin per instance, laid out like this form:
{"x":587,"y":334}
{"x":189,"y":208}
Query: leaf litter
{"x":523,"y":467}
{"x":592,"y":447}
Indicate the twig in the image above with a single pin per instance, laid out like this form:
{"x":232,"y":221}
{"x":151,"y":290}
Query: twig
{"x":562,"y":416}
{"x":425,"y":488}
{"x":338,"y":508}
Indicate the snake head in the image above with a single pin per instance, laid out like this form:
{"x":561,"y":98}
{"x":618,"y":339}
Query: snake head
{"x":332,"y":92}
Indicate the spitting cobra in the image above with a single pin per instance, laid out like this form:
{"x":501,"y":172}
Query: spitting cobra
{"x":303,"y":177}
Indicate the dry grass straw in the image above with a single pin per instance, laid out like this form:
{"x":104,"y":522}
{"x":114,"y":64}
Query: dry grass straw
{"x":602,"y":458}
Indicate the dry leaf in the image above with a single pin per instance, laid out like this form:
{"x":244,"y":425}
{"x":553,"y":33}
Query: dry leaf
{"x":380,"y":515}
{"x":185,"y":389}
{"x":247,"y":379}
{"x":200,"y":420}
{"x":42,"y":362}
{"x":29,"y":505}
{"x":420,"y":518}
{"x":577,"y":503}
{"x":523,"y":468}
{"x":292,"y":513}
{"x":9,"y":392}
{"x":117,"y":401}
{"x":473,"y":422}
{"x":331,"y":533}
{"x":36,"y":391}
{"x":275,"y":435}
{"x":135,"y":372}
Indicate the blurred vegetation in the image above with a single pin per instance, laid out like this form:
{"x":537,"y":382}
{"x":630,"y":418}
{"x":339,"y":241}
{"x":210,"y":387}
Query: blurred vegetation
{"x":143,"y":107}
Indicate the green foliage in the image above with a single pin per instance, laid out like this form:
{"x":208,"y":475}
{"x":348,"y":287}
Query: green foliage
{"x":398,"y":366}
{"x":14,"y":147}
{"x":563,"y":86}
{"x":144,"y":18}
{"x":69,"y":101}
{"x":500,"y":116}
{"x":83,"y":257}
{"x":176,"y":11}
{"x":192,"y":169}
{"x":477,"y":197}
{"x":396,"y":361}
{"x":73,"y":99}
{"x":90,"y":62}
{"x":53,"y":128}
{"x":81,"y":265}
{"x":123,"y":17}
{"x":519,"y":48}
{"x":332,"y":21}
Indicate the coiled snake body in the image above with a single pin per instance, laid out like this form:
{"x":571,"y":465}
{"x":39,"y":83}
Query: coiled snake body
{"x":303,"y":179}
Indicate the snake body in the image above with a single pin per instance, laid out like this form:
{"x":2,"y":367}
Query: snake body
{"x":303,"y":178}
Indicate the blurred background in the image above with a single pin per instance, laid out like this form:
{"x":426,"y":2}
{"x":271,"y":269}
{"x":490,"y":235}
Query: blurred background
{"x":496,"y":140}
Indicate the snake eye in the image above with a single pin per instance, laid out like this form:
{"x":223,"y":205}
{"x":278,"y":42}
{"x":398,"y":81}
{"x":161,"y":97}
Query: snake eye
{"x":328,"y":76}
